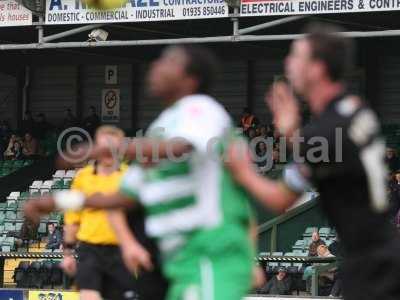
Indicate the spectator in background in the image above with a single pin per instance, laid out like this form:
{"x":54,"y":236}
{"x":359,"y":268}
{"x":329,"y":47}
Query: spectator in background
{"x":54,"y":239}
{"x":247,"y":120}
{"x":42,"y":126}
{"x":336,"y":249}
{"x":326,"y":278}
{"x":28,"y":123}
{"x":262,"y":156}
{"x":281,"y":284}
{"x":5,"y":130}
{"x":92,"y":121}
{"x":251,"y":133}
{"x":394,"y":194}
{"x":5,"y":134}
{"x":14,"y":148}
{"x":8,"y":151}
{"x":17,"y":150}
{"x":69,"y":120}
{"x":270,"y":130}
{"x":30,"y":146}
{"x":316,"y":242}
{"x":27,"y":234}
{"x":392,"y":160}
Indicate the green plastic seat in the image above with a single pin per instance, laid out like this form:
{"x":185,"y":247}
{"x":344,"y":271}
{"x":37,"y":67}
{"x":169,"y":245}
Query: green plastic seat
{"x":42,"y":230}
{"x":8,"y":226}
{"x":11,"y":215}
{"x":20,"y":214}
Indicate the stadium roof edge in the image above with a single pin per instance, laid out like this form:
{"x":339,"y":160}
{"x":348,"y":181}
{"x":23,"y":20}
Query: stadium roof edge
{"x":216,"y":39}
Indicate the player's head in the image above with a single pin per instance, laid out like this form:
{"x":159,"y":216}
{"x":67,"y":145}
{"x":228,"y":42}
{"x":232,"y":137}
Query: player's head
{"x":320,"y":55}
{"x":109,"y":137}
{"x":182,"y":70}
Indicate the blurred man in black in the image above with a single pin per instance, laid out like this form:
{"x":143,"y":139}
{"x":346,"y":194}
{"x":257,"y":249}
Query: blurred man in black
{"x":341,"y":154}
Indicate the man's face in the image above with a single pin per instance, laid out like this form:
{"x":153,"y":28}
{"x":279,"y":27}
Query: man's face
{"x":168,"y":73}
{"x":298,"y":64}
{"x":397,"y":176}
{"x":281,"y":275}
{"x":51,"y":228}
{"x":28,"y":137}
{"x":390,"y":153}
{"x":109,"y":142}
{"x":315,"y":236}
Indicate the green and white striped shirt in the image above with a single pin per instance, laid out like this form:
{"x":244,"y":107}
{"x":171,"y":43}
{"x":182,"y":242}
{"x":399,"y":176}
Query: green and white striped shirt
{"x":196,"y":194}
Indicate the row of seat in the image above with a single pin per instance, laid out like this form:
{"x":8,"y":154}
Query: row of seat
{"x":9,"y":166}
{"x":38,"y":274}
{"x":12,"y":214}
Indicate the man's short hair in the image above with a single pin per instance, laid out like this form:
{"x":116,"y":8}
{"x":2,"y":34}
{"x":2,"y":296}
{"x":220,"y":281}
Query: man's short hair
{"x":335,"y":51}
{"x":203,"y":65}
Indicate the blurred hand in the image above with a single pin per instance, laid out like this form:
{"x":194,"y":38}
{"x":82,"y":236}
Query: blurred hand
{"x":284,"y":107}
{"x":136,"y":257}
{"x":68,"y":265}
{"x":258,"y":277}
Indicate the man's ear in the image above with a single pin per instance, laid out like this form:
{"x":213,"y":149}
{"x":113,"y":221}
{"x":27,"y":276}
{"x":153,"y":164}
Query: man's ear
{"x":318,"y":69}
{"x":192,"y":83}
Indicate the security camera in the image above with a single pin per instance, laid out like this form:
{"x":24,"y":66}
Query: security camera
{"x":98,"y":35}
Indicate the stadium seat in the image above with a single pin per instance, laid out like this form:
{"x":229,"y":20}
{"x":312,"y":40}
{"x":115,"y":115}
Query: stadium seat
{"x":46,"y":186}
{"x":18,"y":226}
{"x":59,"y":174}
{"x":35,"y":186}
{"x":299,"y":245}
{"x":324,"y":232}
{"x":12,"y":205}
{"x":24,"y":196}
{"x":13,"y":196}
{"x":70,"y":174}
{"x":2,"y":217}
{"x":292,"y":269}
{"x":297,"y":252}
{"x":21,"y":274}
{"x":42,"y":230}
{"x":8,"y":226}
{"x":5,"y":248}
{"x":11,"y":215}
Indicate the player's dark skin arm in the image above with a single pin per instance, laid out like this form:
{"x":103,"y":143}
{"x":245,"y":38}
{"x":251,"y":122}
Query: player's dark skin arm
{"x":116,"y":200}
{"x":145,"y":150}
{"x":272,"y":194}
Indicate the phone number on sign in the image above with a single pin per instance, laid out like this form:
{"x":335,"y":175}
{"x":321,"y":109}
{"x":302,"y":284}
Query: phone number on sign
{"x":203,"y":11}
